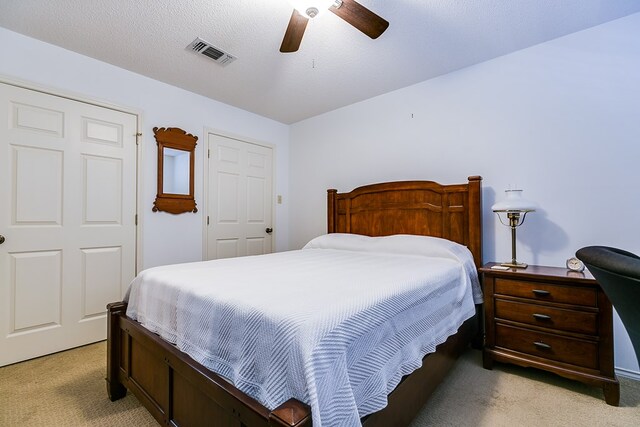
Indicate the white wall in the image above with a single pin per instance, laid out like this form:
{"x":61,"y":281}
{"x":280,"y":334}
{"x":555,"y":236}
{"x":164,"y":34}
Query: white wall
{"x":560,"y":120}
{"x":167,"y":238}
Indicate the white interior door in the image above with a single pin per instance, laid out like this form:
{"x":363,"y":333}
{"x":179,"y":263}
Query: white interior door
{"x":240,"y":198}
{"x":68,"y":191}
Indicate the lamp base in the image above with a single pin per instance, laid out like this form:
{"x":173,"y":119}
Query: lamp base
{"x":514,"y":264}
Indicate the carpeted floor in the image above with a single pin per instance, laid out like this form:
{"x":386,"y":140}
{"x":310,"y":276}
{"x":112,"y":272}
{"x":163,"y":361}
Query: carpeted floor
{"x":68,"y":389}
{"x":510,"y":396}
{"x":65,"y":389}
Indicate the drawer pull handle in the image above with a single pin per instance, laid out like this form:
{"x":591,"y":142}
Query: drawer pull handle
{"x":542,"y":345}
{"x":541,"y":293}
{"x":539,"y":316}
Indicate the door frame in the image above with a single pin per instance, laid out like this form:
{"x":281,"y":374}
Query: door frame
{"x":205,"y":187}
{"x":73,"y":96}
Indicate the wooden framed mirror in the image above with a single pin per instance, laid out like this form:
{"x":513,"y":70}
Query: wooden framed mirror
{"x":176,"y":160}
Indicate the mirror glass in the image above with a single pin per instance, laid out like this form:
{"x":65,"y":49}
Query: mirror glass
{"x":175,"y":179}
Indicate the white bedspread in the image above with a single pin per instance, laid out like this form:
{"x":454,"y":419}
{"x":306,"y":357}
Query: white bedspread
{"x":335,"y":325}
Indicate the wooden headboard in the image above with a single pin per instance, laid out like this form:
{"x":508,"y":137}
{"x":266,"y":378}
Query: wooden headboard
{"x":425,"y":208}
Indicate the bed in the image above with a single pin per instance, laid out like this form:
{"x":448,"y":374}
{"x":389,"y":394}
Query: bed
{"x":178,"y":390}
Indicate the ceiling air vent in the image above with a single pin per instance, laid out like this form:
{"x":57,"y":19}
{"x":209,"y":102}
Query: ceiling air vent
{"x":201,"y":47}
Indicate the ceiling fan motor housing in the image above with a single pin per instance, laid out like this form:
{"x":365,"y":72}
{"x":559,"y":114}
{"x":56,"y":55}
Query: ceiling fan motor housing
{"x":313,"y":8}
{"x":312,"y":12}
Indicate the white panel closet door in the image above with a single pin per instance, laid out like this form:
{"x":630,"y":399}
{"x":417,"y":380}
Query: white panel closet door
{"x":68,"y":191}
{"x":240,"y":198}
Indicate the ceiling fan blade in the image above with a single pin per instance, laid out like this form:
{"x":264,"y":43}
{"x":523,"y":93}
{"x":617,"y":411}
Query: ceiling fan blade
{"x":294,"y":33}
{"x":361,"y":18}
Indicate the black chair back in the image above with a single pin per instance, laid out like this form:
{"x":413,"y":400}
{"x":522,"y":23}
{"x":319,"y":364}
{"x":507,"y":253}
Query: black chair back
{"x":618,"y":273}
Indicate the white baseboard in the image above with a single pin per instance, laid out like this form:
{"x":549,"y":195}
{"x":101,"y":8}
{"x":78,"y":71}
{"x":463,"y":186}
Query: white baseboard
{"x":634,"y":375}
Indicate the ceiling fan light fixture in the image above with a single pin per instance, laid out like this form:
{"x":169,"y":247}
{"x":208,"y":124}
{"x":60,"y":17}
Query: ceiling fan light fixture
{"x":313,"y":8}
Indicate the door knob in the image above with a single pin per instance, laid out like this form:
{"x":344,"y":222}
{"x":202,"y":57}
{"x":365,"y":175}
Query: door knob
{"x":1,"y":239}
{"x":269,"y":230}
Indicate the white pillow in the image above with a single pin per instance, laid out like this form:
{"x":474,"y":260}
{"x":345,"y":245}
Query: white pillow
{"x":353,"y":242}
{"x":395,"y":244}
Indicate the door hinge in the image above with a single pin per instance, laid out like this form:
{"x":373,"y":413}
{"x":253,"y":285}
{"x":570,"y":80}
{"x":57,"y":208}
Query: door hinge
{"x":138,"y":135}
{"x":207,"y":219}
{"x":136,"y":219}
{"x":208,"y":153}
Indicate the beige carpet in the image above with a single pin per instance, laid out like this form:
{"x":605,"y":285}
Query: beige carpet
{"x":65,"y":389}
{"x":68,"y":389}
{"x":510,"y":396}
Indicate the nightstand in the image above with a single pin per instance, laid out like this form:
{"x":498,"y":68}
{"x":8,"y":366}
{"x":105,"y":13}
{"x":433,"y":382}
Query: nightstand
{"x":550,"y":318}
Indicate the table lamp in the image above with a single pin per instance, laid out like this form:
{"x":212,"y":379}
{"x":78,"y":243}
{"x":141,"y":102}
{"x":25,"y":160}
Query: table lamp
{"x":514,"y":208}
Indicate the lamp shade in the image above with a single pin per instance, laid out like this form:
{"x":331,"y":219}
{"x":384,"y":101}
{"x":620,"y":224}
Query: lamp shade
{"x":514,"y":202}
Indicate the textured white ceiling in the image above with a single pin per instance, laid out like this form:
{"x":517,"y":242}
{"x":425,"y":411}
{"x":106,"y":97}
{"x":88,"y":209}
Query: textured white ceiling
{"x":336,"y":64}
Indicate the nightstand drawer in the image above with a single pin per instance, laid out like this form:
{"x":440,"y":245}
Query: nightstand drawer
{"x":549,"y":346}
{"x":547,"y":292}
{"x":547,"y":317}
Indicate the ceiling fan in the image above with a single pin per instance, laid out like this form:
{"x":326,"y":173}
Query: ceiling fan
{"x":349,"y":10}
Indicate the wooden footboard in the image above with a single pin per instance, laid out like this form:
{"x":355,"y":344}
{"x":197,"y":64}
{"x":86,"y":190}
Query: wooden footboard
{"x":179,"y":391}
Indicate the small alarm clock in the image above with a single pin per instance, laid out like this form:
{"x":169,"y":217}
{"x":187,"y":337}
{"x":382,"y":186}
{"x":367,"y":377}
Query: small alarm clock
{"x":574,"y":264}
